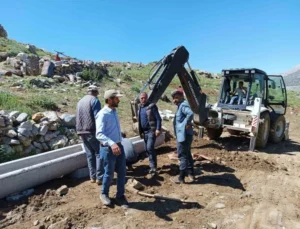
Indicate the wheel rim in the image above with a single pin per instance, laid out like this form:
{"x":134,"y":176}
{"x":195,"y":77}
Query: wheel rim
{"x":279,"y":129}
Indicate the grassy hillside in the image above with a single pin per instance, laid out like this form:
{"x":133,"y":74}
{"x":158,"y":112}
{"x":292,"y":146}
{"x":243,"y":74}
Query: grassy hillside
{"x":13,"y":47}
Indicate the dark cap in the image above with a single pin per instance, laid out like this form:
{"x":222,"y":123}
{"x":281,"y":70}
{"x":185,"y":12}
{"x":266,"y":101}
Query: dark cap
{"x":177,"y":92}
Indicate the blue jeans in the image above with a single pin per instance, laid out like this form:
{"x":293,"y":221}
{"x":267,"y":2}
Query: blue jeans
{"x":111,"y":164}
{"x":149,"y":139}
{"x":235,"y":98}
{"x":185,"y":155}
{"x":92,"y":146}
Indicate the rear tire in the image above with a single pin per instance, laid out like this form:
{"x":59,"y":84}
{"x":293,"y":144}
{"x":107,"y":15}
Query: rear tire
{"x":277,"y":129}
{"x":263,"y":131}
{"x":214,"y":134}
{"x":233,"y":132}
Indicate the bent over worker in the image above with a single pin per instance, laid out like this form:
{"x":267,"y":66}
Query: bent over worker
{"x":184,"y":136}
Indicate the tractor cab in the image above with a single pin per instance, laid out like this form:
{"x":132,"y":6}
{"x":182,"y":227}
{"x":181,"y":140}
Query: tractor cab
{"x":240,"y":87}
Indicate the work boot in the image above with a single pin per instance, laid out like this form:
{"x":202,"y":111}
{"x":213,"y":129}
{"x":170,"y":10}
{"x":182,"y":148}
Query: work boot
{"x":122,"y":201}
{"x":191,"y":177}
{"x":98,"y":182}
{"x":105,"y":199}
{"x":152,"y":172}
{"x":179,"y":179}
{"x":93,"y":180}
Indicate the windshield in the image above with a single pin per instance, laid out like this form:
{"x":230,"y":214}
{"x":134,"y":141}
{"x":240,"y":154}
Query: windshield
{"x":235,"y":90}
{"x":242,"y":89}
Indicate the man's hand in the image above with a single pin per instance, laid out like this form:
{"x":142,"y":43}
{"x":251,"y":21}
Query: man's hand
{"x":115,"y":149}
{"x":157,"y":132}
{"x":188,"y":127}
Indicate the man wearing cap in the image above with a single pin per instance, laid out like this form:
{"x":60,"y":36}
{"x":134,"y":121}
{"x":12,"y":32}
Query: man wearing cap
{"x":149,"y":128}
{"x":112,"y":156}
{"x":86,"y":110}
{"x":184,"y":135}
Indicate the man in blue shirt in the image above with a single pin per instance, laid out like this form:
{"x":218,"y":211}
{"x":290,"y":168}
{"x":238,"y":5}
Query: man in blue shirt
{"x":149,"y":128}
{"x":112,"y":156}
{"x":86,"y":110}
{"x":184,"y":136}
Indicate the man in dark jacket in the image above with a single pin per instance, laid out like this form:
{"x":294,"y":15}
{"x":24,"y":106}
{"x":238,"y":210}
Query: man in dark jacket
{"x":149,"y":128}
{"x":184,"y":135}
{"x":87,"y":108}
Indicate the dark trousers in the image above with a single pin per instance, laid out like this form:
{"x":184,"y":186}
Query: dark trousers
{"x":149,"y":139}
{"x":185,"y":156}
{"x":92,"y":146}
{"x":113,"y":163}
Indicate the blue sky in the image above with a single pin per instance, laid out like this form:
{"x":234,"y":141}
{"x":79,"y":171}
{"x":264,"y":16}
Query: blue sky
{"x":218,"y":34}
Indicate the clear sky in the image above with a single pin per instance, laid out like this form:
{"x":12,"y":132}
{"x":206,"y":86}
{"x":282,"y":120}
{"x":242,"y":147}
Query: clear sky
{"x":218,"y":34}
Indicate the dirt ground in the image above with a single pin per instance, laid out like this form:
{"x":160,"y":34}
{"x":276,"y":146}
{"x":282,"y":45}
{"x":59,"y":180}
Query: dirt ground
{"x":240,"y":189}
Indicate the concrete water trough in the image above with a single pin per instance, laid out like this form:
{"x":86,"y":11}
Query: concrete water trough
{"x":21,"y":174}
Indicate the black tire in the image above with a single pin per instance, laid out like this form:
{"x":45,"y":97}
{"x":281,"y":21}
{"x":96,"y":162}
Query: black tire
{"x":263,"y":131}
{"x":277,"y":129}
{"x":214,"y":134}
{"x":234,"y":132}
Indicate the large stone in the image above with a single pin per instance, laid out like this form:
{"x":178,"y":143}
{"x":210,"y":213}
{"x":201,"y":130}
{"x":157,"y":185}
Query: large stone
{"x":38,"y":145}
{"x":69,"y":120}
{"x":45,"y":146}
{"x":37,"y":116}
{"x":50,"y":136}
{"x":14,"y":114}
{"x":60,"y":79}
{"x":43,"y":130}
{"x":11,"y":133}
{"x":52,"y":116}
{"x":63,"y":190}
{"x":32,"y":65}
{"x":58,"y":142}
{"x":48,"y":69}
{"x":53,"y":126}
{"x":2,"y":121}
{"x":25,"y":132}
{"x":24,"y":140}
{"x":22,"y":117}
{"x":10,"y":141}
{"x":35,"y":129}
{"x":22,"y":56}
{"x":5,"y":72}
{"x":26,"y":125}
{"x":3,"y":56}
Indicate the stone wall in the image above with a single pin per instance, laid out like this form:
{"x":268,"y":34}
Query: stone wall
{"x":45,"y":131}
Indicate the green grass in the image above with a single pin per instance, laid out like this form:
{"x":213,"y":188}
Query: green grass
{"x":13,"y":47}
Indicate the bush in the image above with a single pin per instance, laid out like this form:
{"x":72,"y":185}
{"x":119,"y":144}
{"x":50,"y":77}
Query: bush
{"x":43,"y":102}
{"x":92,"y":74}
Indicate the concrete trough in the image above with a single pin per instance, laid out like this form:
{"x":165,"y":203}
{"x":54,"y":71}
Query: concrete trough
{"x":21,"y":174}
{"x":18,"y":175}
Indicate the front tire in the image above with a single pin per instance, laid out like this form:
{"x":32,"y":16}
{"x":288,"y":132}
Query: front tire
{"x":277,"y":129}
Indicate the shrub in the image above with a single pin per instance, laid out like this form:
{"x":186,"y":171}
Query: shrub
{"x":92,"y":74}
{"x":43,"y":102}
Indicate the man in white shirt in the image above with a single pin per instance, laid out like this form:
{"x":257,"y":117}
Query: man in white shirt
{"x":241,"y":93}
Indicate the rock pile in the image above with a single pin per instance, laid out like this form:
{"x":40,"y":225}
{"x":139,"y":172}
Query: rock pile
{"x":31,"y":64}
{"x":45,"y":131}
{"x":3,"y":32}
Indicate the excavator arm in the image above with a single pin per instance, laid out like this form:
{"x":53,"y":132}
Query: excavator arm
{"x":168,"y":67}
